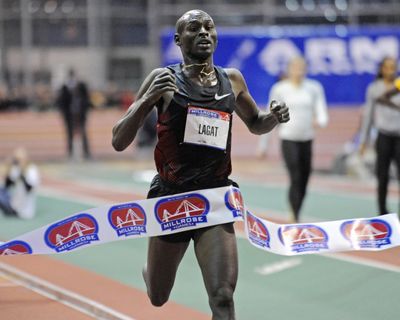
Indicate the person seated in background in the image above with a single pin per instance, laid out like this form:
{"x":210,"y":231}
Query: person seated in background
{"x":18,"y":196}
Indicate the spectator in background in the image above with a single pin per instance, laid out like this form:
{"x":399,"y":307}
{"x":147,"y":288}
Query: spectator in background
{"x":74,"y":103}
{"x":382,"y":109}
{"x":21,"y":181}
{"x":308,"y":108}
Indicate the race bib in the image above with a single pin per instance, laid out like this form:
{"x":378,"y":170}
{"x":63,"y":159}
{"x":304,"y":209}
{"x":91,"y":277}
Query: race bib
{"x":207,"y":127}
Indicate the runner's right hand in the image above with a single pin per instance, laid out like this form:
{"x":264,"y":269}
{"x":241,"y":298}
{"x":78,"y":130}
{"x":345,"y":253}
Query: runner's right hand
{"x":162,"y":83}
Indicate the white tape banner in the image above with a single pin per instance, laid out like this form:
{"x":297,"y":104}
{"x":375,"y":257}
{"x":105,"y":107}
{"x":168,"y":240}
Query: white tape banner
{"x":199,"y":209}
{"x":372,"y":234}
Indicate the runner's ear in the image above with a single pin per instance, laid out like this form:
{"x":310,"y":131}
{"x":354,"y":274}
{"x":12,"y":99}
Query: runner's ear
{"x":177,"y":39}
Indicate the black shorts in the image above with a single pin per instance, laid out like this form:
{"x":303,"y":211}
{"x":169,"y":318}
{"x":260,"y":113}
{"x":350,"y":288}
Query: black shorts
{"x":161,"y":188}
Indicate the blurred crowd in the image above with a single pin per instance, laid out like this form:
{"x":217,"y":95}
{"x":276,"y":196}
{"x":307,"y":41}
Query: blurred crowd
{"x":41,"y":97}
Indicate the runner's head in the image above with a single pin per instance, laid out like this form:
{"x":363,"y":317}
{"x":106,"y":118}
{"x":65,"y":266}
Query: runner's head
{"x":196,"y":35}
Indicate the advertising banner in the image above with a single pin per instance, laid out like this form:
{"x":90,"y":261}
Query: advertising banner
{"x":344,"y":59}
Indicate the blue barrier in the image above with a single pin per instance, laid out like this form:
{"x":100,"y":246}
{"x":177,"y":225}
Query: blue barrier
{"x":344,"y":59}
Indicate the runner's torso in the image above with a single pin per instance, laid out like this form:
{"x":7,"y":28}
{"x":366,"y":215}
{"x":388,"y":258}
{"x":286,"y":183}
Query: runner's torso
{"x":184,"y":157}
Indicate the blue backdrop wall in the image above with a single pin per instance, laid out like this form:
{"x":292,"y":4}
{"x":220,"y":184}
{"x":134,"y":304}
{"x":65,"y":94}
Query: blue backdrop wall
{"x":344,"y":59}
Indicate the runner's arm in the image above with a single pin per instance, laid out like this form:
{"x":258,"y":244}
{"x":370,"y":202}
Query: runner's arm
{"x":258,"y":121}
{"x":158,"y":82}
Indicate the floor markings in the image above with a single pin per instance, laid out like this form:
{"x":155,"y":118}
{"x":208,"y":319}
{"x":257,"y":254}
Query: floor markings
{"x":64,"y":296}
{"x":363,"y":261}
{"x":279,"y":266}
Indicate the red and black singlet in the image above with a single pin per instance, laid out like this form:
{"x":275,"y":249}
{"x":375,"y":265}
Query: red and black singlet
{"x":183,"y":164}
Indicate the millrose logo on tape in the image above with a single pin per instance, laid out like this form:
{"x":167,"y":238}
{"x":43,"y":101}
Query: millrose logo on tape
{"x":127,"y":219}
{"x":16,"y":247}
{"x":302,"y":238}
{"x":258,"y":232}
{"x":234,"y":202}
{"x":73,"y":232}
{"x":182,"y":211}
{"x":373,"y":233}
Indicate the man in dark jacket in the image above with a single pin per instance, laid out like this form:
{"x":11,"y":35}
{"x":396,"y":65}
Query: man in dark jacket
{"x":74,"y":103}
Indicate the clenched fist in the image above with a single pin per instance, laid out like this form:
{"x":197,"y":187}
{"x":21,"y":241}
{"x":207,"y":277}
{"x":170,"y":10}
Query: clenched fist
{"x":280,"y":111}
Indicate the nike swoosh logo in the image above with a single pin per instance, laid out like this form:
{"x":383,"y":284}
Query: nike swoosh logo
{"x":182,"y":94}
{"x":217,"y":97}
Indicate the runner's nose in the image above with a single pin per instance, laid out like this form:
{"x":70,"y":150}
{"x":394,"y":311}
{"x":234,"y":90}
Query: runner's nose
{"x":203,"y":32}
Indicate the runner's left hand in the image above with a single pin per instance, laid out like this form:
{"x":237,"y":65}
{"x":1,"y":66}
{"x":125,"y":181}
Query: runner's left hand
{"x":280,"y":111}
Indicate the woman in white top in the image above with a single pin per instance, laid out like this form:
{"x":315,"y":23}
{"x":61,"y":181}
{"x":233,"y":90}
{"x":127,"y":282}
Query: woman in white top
{"x":382,"y":109}
{"x":308,"y":108}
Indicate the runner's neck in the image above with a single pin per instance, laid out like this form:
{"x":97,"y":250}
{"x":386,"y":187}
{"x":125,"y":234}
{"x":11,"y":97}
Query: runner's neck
{"x":200,"y":73}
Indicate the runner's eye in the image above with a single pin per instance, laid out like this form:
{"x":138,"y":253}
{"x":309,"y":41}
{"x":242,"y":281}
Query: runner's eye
{"x":209,"y":26}
{"x":193,"y":27}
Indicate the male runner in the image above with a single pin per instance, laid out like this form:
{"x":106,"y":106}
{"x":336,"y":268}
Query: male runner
{"x":191,"y":156}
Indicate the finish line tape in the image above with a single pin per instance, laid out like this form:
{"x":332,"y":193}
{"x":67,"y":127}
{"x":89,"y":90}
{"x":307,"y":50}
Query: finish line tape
{"x":199,"y":209}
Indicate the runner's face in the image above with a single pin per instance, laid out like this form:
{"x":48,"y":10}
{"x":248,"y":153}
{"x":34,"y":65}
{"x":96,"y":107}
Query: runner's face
{"x":198,"y":38}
